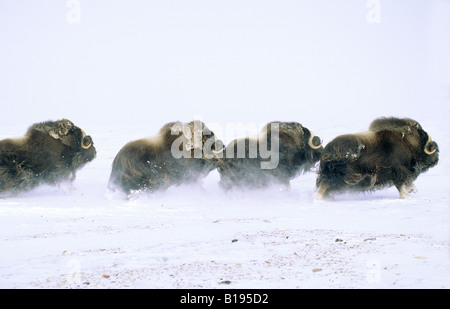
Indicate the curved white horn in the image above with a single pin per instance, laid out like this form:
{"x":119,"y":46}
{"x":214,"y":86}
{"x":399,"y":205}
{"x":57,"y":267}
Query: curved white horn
{"x":82,"y":141}
{"x":217,"y":151}
{"x":426,"y":146}
{"x":310,"y":143}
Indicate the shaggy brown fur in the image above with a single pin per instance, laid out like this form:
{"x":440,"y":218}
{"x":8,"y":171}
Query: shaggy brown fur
{"x":50,"y":153}
{"x":153,"y":164}
{"x":392,"y":153}
{"x":244,"y":170}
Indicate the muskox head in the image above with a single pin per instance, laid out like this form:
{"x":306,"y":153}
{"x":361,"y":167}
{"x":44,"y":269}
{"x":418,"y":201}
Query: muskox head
{"x":192,"y":140}
{"x":298,"y":144}
{"x":426,"y":150}
{"x":291,"y":146}
{"x":68,"y":138}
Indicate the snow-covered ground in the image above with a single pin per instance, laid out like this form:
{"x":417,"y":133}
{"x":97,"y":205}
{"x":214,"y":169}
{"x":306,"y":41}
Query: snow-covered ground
{"x":203,"y":238}
{"x":120,"y":70}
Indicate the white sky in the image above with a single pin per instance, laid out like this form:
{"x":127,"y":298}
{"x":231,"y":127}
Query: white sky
{"x":226,"y":61}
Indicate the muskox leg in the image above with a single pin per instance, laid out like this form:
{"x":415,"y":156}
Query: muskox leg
{"x":403,"y":191}
{"x":410,"y":188}
{"x":285,"y":187}
{"x":323,"y":193}
{"x":68,"y":188}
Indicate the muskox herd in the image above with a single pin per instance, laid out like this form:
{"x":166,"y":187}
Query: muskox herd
{"x":392,"y":152}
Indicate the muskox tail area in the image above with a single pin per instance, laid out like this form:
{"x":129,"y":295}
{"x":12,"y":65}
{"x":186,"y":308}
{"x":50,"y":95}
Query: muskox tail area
{"x":332,"y":175}
{"x":336,"y":171}
{"x":15,"y":175}
{"x":337,"y":175}
{"x":116,"y":178}
{"x":126,"y":177}
{"x":128,"y":172}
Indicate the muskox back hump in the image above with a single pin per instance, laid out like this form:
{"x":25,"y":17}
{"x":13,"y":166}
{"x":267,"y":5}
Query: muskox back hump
{"x":346,"y":147}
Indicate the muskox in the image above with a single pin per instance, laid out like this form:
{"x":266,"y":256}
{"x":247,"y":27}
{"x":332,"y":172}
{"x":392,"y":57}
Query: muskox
{"x":180,"y":153}
{"x":281,"y":152}
{"x":50,"y":153}
{"x":393,"y":152}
